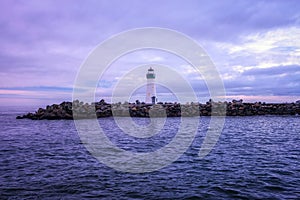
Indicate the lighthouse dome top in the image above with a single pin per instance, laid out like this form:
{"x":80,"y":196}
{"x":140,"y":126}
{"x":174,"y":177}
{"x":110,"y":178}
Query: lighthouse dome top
{"x":150,"y":74}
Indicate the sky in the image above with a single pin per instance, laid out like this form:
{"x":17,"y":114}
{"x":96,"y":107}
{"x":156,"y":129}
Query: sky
{"x":255,"y":46}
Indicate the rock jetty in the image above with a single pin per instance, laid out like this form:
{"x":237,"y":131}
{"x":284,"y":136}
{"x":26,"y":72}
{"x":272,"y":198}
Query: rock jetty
{"x":81,"y":110}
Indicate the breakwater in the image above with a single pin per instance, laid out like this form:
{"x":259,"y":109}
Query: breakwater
{"x":77,"y":110}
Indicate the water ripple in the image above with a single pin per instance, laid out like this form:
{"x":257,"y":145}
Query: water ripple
{"x":255,"y":158}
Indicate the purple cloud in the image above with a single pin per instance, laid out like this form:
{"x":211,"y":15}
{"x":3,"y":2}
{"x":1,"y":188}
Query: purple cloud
{"x":43,"y":43}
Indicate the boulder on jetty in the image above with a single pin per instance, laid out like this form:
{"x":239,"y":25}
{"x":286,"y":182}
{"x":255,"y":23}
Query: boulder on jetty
{"x":81,"y":110}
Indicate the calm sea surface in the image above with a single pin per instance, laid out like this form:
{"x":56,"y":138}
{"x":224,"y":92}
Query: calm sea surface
{"x":255,"y":158}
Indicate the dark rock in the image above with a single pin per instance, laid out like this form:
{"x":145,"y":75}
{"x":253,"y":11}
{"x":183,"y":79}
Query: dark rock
{"x":81,"y":110}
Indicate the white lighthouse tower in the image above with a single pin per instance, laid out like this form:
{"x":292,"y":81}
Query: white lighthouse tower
{"x":151,"y":90}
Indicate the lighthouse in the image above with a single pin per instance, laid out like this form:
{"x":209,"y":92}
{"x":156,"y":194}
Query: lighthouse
{"x":151,"y":90}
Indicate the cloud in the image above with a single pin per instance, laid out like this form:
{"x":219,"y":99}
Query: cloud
{"x":40,"y":96}
{"x":42,"y":88}
{"x":273,"y":71}
{"x":278,"y":80}
{"x":43,"y":43}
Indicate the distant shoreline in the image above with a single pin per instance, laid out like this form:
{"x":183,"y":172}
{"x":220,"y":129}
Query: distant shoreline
{"x":101,"y":109}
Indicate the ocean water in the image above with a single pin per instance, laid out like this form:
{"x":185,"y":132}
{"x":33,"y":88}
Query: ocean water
{"x":255,"y":158}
